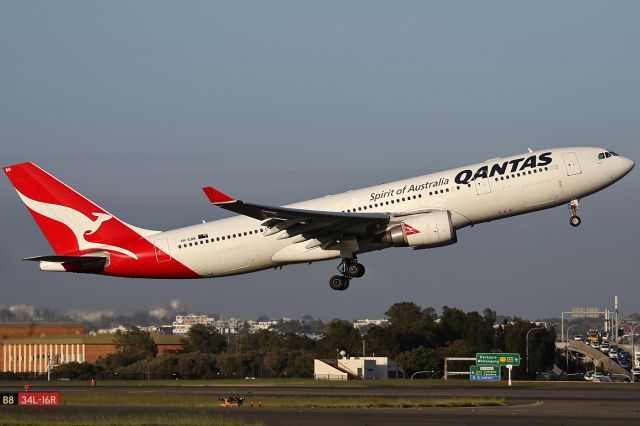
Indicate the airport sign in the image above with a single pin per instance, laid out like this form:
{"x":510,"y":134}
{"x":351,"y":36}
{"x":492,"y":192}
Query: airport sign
{"x":498,"y":359}
{"x":484,"y":372}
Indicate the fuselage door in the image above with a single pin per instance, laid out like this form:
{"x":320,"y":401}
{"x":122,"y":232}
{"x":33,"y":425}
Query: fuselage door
{"x":571,"y":163}
{"x":482,"y":186}
{"x":162,"y":250}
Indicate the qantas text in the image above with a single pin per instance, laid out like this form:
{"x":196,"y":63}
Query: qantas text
{"x":518,"y":164}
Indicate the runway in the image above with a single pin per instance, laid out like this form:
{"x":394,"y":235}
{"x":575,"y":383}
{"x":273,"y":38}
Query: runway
{"x":546,"y":406}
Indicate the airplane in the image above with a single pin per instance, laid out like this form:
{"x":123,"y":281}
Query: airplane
{"x":421,"y":213}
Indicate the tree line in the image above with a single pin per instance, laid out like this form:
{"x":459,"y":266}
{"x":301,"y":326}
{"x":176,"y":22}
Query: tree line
{"x":416,"y":338}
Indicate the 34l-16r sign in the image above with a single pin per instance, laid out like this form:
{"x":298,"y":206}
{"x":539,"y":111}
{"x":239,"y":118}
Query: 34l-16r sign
{"x":498,"y":359}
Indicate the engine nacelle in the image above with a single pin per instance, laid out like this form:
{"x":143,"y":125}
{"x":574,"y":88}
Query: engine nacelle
{"x":433,"y":229}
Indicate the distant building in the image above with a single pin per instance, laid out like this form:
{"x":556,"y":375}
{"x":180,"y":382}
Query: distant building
{"x":360,"y":323}
{"x":37,"y":354}
{"x":356,"y":368}
{"x":183,"y":323}
{"x":111,"y":330}
{"x":17,"y":330}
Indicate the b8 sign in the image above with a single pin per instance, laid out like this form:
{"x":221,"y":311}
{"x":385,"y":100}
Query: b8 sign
{"x":9,"y":398}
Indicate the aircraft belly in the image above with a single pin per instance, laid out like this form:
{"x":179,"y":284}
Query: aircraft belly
{"x":299,"y":253}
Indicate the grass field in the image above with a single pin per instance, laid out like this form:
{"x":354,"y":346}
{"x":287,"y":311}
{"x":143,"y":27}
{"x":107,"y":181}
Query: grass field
{"x":194,"y":400}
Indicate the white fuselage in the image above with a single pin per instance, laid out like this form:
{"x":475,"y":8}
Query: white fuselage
{"x":474,"y":194}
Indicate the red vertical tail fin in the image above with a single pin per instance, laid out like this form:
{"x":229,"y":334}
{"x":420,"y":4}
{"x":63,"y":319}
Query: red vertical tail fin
{"x":71,"y":223}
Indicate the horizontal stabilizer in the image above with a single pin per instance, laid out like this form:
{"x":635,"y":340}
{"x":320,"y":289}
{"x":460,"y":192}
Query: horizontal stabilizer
{"x":70,"y":263}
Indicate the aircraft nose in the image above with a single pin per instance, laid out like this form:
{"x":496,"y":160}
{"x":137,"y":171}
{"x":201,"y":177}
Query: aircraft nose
{"x":627,"y":165}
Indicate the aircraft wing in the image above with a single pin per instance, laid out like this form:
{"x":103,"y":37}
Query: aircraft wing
{"x":309,"y":223}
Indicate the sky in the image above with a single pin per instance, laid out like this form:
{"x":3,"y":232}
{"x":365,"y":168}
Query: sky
{"x":138,"y":105}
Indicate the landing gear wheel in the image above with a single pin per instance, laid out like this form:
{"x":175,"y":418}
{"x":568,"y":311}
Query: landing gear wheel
{"x":355,"y":270}
{"x":574,"y":206}
{"x":338,"y":282}
{"x":575,"y":221}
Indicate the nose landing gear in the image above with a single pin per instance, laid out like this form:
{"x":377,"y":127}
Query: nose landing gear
{"x":574,"y":220}
{"x":349,"y":268}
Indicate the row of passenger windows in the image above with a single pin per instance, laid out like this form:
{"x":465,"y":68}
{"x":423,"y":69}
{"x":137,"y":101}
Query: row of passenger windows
{"x":436,"y":192}
{"x":222,"y":238}
{"x":515,"y":175}
{"x":398,"y":200}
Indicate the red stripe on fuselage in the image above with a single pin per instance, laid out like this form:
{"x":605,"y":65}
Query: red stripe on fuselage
{"x":147,"y":265}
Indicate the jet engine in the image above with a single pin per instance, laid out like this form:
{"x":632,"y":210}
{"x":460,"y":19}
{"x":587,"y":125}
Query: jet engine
{"x":425,"y":230}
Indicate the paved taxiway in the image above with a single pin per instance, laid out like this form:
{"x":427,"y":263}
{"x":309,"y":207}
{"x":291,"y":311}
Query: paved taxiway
{"x":599,"y":406}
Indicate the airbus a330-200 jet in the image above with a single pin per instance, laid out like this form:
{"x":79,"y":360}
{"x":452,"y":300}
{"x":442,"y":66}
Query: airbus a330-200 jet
{"x":421,"y":212}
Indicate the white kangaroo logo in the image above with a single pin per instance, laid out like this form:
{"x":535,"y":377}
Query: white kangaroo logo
{"x":79,"y":224}
{"x":101,"y":217}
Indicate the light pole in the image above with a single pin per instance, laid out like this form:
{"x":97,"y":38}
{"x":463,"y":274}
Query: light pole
{"x":633,"y":347}
{"x":527,"y":346}
{"x":567,"y":346}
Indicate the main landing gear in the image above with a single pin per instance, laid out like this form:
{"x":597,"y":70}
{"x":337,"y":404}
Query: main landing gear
{"x":349,"y":268}
{"x":574,"y":220}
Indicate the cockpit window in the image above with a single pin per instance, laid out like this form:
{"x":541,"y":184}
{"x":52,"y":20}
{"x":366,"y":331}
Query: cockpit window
{"x":607,"y":154}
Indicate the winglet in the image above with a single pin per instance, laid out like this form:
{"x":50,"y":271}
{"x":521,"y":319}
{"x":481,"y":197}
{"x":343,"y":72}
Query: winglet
{"x":217,"y":197}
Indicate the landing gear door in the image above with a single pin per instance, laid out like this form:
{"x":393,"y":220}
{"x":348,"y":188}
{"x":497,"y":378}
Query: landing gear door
{"x":571,"y":163}
{"x":482,"y":186}
{"x":162,"y":250}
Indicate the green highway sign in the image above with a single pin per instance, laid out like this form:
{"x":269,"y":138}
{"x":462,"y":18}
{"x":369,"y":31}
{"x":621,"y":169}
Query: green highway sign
{"x":484,"y":372}
{"x":498,"y":359}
